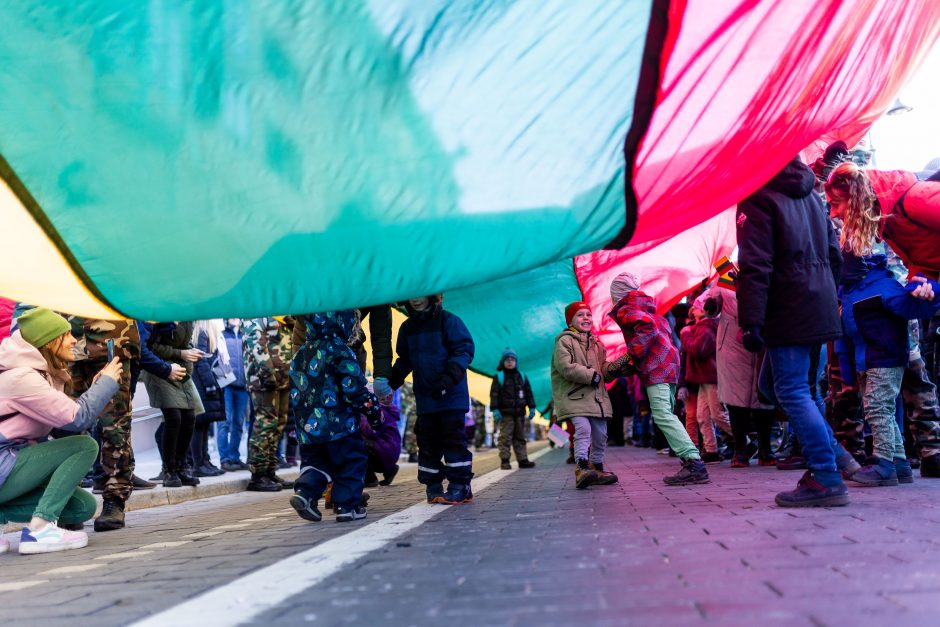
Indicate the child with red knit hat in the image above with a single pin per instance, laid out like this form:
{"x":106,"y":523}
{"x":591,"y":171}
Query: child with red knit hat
{"x":579,"y":370}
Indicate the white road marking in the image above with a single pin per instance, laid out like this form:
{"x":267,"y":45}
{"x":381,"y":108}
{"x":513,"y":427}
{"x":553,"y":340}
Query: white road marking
{"x":165,"y":545}
{"x":71,"y":570}
{"x":21,"y":585}
{"x":232,"y":526}
{"x":201,"y":534}
{"x":243,"y":599}
{"x":124,"y":556}
{"x":254,"y":520}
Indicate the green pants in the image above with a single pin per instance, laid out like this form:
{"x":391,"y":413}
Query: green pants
{"x":662,"y":397}
{"x":44,"y":482}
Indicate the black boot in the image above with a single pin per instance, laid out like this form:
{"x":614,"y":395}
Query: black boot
{"x":389,"y":476}
{"x":262,"y":483}
{"x":187,"y":478}
{"x":284,"y":483}
{"x":112,"y":516}
{"x":171,"y":479}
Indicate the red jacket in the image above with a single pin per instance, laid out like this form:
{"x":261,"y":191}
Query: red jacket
{"x":6,"y":316}
{"x":701,"y":365}
{"x":648,"y":337}
{"x":912,"y":228}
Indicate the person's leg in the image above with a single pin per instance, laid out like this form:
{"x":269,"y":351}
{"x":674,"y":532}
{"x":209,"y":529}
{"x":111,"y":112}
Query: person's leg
{"x":789,"y":366}
{"x":518,"y":439}
{"x":691,"y":417}
{"x":705,"y":424}
{"x":507,"y":427}
{"x":117,"y":455}
{"x":57,"y":467}
{"x":764,"y":423}
{"x":740,"y":418}
{"x":717,"y":411}
{"x":195,"y":445}
{"x":315,"y":475}
{"x":846,"y":416}
{"x":262,"y":445}
{"x":172,"y":422}
{"x":430,"y":468}
{"x":598,"y":441}
{"x":458,"y":460}
{"x":224,"y":427}
{"x":662,"y":404}
{"x":242,"y":410}
{"x":20,"y":509}
{"x":348,"y":460}
{"x":80,"y":507}
{"x":582,"y":437}
{"x":184,"y":436}
{"x":881,"y":388}
{"x":920,"y":394}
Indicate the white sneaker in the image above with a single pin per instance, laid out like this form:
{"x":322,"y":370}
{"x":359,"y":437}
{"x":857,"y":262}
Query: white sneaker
{"x":50,"y":539}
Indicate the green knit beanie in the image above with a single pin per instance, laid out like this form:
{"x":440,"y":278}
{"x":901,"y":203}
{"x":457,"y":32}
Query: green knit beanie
{"x":40,"y":326}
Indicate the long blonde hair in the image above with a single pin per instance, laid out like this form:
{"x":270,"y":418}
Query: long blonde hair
{"x":212,"y":328}
{"x":58,"y":367}
{"x":849,"y":186}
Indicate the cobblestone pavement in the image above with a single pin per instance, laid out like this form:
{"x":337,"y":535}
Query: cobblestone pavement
{"x":529,"y":550}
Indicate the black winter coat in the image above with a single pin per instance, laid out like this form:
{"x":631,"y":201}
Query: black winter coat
{"x":789,"y":261}
{"x":206,"y":384}
{"x":514,"y":395}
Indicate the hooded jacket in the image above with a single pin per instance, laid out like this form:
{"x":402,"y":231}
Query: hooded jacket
{"x":875,"y":313}
{"x":789,"y":261}
{"x":576,"y":358}
{"x":32,"y":401}
{"x":510,"y":391}
{"x":167,"y":341}
{"x":912,"y":227}
{"x":435,"y":345}
{"x":648,"y":337}
{"x":328,"y":391}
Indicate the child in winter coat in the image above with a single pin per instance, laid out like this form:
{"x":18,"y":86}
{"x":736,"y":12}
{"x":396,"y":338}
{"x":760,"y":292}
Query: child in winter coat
{"x":875,"y":313}
{"x":702,"y":368}
{"x":649,"y":345}
{"x":510,"y":395}
{"x":39,"y":479}
{"x":436,"y":346}
{"x":579,"y":371}
{"x":329,"y":394}
{"x":383,"y":445}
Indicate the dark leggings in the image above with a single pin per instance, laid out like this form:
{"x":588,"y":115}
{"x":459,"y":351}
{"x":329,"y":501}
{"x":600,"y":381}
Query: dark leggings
{"x":199,"y":448}
{"x":178,"y":427}
{"x":741,"y":420}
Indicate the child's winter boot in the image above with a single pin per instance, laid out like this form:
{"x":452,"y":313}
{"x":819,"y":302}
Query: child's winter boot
{"x":603,"y":477}
{"x":692,"y":471}
{"x":306,"y":508}
{"x":584,"y":476}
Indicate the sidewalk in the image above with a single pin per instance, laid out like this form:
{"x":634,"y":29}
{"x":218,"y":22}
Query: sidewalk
{"x":148,"y":465}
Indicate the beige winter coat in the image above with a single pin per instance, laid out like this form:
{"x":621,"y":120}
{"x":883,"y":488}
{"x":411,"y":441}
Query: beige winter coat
{"x":576,"y":358}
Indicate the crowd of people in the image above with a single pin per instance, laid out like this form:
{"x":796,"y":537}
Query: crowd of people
{"x":825,"y":331}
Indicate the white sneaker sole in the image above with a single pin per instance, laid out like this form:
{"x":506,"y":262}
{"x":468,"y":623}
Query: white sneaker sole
{"x":36,"y":548}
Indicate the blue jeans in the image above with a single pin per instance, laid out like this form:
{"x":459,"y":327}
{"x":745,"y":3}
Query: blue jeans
{"x":229,"y":437}
{"x":784,"y":381}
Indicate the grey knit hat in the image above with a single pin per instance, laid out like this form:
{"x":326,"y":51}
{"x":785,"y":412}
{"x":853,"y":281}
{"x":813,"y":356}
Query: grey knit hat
{"x":623,"y":284}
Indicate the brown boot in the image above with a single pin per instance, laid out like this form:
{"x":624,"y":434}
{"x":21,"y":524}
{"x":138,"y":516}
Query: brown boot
{"x":603,"y":477}
{"x":584,"y":476}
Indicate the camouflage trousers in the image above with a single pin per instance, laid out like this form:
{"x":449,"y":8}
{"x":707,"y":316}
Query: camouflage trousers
{"x":114,"y":429}
{"x":920,"y":404}
{"x":410,"y":441}
{"x":270,"y":420}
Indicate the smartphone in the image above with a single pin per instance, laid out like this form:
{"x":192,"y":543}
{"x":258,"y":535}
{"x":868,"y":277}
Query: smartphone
{"x":110,"y":350}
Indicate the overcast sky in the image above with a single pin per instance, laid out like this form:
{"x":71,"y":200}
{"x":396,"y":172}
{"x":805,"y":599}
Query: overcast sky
{"x":908,"y":141}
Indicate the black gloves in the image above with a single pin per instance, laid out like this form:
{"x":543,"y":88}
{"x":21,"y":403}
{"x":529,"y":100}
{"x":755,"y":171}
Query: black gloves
{"x":453,"y":374}
{"x":596,"y":379}
{"x":752,"y":339}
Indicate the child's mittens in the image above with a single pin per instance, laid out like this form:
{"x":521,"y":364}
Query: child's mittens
{"x":453,"y":374}
{"x":374,"y":416}
{"x":382,"y":388}
{"x":531,"y":413}
{"x":623,"y":365}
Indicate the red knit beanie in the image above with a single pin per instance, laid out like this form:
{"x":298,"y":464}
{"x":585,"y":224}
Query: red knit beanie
{"x":572,"y":309}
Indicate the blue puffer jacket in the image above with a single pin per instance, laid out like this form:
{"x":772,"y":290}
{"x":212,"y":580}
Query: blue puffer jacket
{"x":875,"y":311}
{"x":328,"y":390}
{"x":437,"y":347}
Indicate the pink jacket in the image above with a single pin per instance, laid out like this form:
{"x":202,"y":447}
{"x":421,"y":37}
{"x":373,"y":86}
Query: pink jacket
{"x":32,"y":402}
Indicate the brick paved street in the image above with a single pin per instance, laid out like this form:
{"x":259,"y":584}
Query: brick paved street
{"x":530,"y":550}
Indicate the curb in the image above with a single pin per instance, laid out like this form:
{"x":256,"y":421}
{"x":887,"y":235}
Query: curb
{"x":220,"y":486}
